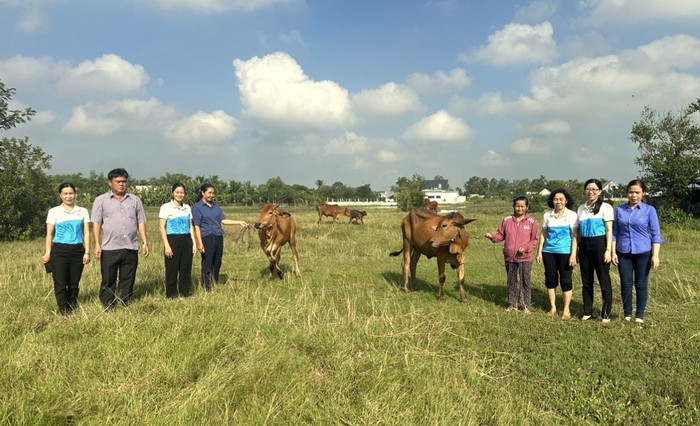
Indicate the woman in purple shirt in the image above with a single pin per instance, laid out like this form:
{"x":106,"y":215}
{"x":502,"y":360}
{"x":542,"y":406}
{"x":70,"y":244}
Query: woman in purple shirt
{"x":207,"y":218}
{"x":635,"y":247}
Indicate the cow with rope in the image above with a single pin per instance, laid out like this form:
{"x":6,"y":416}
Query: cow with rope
{"x":275,"y":229}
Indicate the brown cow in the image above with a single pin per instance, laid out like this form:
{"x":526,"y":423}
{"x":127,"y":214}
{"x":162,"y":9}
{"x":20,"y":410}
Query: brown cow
{"x":332,"y":210}
{"x":431,"y":205}
{"x":357,"y":214}
{"x":275,"y":229}
{"x":433,"y":235}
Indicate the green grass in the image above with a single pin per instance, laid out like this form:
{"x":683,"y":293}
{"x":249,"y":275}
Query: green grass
{"x":342,"y":344}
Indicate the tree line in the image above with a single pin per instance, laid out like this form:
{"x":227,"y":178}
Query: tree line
{"x":669,"y":146}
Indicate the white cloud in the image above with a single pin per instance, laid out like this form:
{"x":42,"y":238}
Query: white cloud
{"x":389,"y":99}
{"x":82,"y":122}
{"x":275,"y":90}
{"x":202,"y":130}
{"x":440,"y":126}
{"x":109,"y":74}
{"x":386,"y":156}
{"x":348,"y":144}
{"x":361,"y":164}
{"x":439,"y":83}
{"x":536,"y":11}
{"x":529,"y":146}
{"x":219,"y":6}
{"x":28,"y":72}
{"x":517,"y":43}
{"x":636,"y":11}
{"x":292,"y":37}
{"x":494,"y":159}
{"x":33,"y":20}
{"x":148,"y":116}
{"x":651,"y":74}
{"x":551,"y":127}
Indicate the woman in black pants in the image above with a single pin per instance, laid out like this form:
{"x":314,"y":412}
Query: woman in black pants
{"x":67,"y":247}
{"x":594,"y":249}
{"x":177,"y":233}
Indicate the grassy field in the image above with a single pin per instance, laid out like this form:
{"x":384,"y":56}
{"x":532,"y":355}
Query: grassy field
{"x":342,"y":344}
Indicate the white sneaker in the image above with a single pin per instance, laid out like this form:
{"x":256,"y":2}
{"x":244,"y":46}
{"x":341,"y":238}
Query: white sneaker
{"x":628,"y":318}
{"x":639,"y":321}
{"x":606,"y":320}
{"x":586,"y":317}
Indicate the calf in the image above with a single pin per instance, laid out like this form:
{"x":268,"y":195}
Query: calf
{"x":433,"y":235}
{"x":430,"y":205}
{"x":331,"y":210}
{"x":356,"y":215}
{"x":275,"y":229}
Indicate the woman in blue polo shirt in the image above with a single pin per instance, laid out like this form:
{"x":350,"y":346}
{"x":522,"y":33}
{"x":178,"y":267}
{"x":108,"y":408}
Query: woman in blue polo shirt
{"x":67,"y":247}
{"x":557,"y":249}
{"x":177,"y":233}
{"x":595,"y":220}
{"x":207,"y":218}
{"x":636,"y":244}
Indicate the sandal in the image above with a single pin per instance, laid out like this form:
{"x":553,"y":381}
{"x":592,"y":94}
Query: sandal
{"x":552,"y":312}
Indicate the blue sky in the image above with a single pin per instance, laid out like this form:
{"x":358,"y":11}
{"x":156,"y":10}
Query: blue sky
{"x":359,"y":92}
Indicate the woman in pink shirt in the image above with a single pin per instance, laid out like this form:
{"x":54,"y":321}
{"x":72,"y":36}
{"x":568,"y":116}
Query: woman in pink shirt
{"x":519,"y":232}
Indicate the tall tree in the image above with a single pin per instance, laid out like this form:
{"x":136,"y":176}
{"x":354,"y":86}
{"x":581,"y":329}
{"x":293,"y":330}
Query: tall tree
{"x":669,"y":151}
{"x":26,"y":192}
{"x":25,"y":189}
{"x":10,"y":118}
{"x":408,"y":192}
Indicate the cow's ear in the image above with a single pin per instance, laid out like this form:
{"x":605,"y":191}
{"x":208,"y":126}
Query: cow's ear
{"x":434,"y":227}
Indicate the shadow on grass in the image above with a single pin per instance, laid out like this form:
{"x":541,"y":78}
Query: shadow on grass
{"x":498,"y":295}
{"x":396,"y":279}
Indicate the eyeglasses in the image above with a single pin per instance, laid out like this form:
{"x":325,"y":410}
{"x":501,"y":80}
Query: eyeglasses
{"x":592,"y":189}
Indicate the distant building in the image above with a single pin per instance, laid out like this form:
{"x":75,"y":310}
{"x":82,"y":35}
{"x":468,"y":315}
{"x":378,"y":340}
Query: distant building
{"x":436,"y":184}
{"x":444,"y":197}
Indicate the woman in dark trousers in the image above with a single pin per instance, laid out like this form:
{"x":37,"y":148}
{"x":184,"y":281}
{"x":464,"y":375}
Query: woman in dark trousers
{"x":207,"y":218}
{"x":595,"y":248}
{"x":67,"y":247}
{"x":636,"y":244}
{"x":177,"y":233}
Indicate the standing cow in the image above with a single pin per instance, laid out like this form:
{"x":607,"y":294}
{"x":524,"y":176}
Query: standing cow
{"x":275,"y":229}
{"x":331,"y":210}
{"x":442,"y":237}
{"x":431,"y":205}
{"x":356,"y":215}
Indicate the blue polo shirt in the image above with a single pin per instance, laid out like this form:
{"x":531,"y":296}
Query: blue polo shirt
{"x":636,"y":229}
{"x":593,"y":225}
{"x":558,"y":231}
{"x":177,"y":219}
{"x":208,"y":218}
{"x":68,"y":225}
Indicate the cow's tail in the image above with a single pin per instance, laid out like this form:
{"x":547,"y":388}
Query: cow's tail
{"x":395,"y":253}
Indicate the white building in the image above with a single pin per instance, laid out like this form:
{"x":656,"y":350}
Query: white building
{"x":444,"y":197}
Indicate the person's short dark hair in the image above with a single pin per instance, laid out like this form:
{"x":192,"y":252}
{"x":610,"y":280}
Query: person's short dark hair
{"x":177,"y":185}
{"x":565,"y":193}
{"x":599,"y":201}
{"x":65,"y":185}
{"x":204,"y":188}
{"x":521,"y":198}
{"x":640,"y":183}
{"x":117,"y":173}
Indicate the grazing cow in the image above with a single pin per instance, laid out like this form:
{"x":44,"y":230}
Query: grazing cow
{"x":433,"y":235}
{"x":332,"y":210}
{"x":430,"y":205}
{"x":356,"y":214}
{"x":275,"y":229}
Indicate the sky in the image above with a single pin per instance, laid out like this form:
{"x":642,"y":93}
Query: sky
{"x":359,"y":92}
